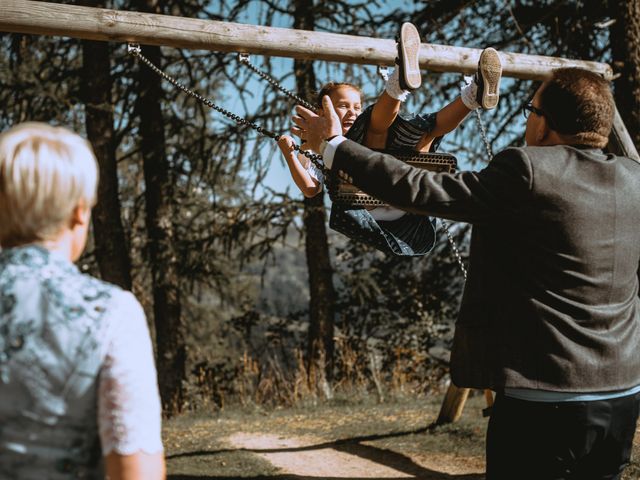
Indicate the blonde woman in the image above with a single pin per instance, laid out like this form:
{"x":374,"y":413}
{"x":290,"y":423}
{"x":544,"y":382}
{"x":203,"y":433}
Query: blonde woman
{"x":78,"y":389}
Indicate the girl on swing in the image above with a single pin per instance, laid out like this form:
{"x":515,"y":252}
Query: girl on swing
{"x":380,"y":126}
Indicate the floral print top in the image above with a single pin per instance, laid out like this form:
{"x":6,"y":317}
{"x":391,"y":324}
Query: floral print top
{"x":77,"y":377}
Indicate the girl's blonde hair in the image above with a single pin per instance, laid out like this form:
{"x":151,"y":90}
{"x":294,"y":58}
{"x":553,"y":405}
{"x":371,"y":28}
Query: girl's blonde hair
{"x":45,"y":173}
{"x":330,"y":87}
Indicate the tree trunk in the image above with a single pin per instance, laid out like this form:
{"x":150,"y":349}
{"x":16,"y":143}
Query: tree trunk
{"x":321,"y":289}
{"x":111,"y":249}
{"x":171,"y":349}
{"x":625,"y":50}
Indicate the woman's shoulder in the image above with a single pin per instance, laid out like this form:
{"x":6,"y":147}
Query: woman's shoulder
{"x":32,"y":272}
{"x":118,"y":302}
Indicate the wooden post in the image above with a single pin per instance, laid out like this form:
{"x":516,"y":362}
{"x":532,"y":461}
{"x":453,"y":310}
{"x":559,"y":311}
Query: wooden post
{"x":453,"y":404}
{"x":40,"y":18}
{"x":488,"y":396}
{"x":454,"y":401}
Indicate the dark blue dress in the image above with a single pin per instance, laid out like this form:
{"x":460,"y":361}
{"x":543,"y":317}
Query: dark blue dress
{"x":410,"y":235}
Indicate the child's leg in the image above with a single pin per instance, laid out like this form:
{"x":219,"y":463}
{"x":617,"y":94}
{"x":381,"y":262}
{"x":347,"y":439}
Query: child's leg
{"x":449,"y":118}
{"x":482,"y":92}
{"x":385,"y":111}
{"x":383,"y":114}
{"x":403,"y":79}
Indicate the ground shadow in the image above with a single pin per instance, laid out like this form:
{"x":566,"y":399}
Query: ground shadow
{"x":352,"y":446}
{"x":332,"y":444}
{"x":427,"y":476}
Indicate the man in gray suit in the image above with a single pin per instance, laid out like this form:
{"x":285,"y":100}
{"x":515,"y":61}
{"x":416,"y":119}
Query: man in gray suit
{"x":550,"y":312}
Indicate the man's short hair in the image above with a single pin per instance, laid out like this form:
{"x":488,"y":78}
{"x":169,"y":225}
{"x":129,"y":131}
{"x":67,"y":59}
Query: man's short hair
{"x":579,"y":105}
{"x":45,"y":172}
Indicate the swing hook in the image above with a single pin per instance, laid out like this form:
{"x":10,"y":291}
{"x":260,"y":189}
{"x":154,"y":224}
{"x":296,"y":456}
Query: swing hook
{"x":383,"y":71}
{"x":243,"y":57}
{"x":134,"y":49}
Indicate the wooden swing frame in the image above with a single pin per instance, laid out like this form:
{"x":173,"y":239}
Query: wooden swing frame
{"x":88,"y":23}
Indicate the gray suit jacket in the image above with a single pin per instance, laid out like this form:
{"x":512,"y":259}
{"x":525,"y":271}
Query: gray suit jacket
{"x":551,"y":301}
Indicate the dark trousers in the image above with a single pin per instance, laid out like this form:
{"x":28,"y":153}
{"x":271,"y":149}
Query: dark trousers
{"x":560,"y":441}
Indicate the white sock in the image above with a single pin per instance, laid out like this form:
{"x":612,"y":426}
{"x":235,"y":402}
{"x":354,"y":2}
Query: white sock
{"x":393,"y":89}
{"x":468,"y":94}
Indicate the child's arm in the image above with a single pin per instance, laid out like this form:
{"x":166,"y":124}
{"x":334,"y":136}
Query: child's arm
{"x":309,"y":186}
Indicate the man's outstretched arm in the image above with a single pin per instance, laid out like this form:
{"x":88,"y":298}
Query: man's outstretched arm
{"x":494,"y":193}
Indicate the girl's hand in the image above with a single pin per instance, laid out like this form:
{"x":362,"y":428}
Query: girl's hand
{"x":286,"y":143}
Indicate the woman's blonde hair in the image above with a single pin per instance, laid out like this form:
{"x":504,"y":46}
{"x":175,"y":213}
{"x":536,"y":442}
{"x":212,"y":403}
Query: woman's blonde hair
{"x":45,"y":173}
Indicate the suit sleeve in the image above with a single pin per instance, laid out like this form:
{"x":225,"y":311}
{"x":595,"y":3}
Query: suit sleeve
{"x":495,"y":193}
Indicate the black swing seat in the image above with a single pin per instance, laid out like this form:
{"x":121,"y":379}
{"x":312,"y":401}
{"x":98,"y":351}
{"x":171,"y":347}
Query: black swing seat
{"x":344,"y":193}
{"x":408,"y":236}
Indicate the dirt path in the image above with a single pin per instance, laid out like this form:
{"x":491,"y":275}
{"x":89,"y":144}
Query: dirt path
{"x":352,"y":441}
{"x":311,"y":457}
{"x":330,"y":442}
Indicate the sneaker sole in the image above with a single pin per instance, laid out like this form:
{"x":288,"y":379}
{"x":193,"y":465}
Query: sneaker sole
{"x":490,"y":68}
{"x":410,"y":46}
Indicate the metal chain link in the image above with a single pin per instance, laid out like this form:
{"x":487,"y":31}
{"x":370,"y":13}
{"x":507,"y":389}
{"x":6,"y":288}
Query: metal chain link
{"x":136,"y":51}
{"x":483,"y":134}
{"x":445,"y":225}
{"x":454,"y":247}
{"x":244,"y":59}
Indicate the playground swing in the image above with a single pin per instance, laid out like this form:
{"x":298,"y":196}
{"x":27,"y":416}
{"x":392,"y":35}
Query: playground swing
{"x":342,"y":193}
{"x":346,"y":195}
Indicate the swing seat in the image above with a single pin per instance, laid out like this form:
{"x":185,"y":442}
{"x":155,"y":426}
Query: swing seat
{"x":347,"y":195}
{"x":408,"y":236}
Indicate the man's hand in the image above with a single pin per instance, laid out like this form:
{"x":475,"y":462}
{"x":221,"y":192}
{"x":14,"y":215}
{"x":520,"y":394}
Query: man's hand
{"x":312,"y":128}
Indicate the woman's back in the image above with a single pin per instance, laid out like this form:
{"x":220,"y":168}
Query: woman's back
{"x":77,"y":378}
{"x":57,"y":326}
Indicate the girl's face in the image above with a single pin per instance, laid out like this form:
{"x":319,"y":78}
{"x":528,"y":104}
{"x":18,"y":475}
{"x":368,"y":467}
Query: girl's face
{"x":348,"y":105}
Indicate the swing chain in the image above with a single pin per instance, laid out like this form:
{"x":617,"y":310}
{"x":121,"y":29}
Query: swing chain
{"x":445,"y":225}
{"x":244,"y":59}
{"x":316,"y":159}
{"x":135,"y":50}
{"x":483,"y":134}
{"x":454,"y":247}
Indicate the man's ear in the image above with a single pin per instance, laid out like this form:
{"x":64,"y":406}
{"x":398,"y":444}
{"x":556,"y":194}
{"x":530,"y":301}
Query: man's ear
{"x":543,"y":131}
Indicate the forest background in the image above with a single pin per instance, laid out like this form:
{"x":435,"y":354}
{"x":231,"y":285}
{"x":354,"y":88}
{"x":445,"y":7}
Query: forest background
{"x":250,"y":297}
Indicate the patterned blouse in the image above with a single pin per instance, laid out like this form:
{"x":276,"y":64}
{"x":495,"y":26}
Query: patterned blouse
{"x":77,"y":376}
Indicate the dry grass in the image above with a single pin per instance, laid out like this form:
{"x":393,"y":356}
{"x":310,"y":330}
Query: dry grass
{"x":357,"y":373}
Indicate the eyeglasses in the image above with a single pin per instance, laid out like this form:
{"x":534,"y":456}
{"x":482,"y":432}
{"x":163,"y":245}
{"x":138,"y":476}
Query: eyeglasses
{"x":528,"y":107}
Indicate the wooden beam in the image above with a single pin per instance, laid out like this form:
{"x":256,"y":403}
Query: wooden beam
{"x":40,"y":18}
